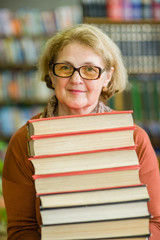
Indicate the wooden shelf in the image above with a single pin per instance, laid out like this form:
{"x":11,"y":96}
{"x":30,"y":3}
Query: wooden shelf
{"x":31,"y":36}
{"x":102,"y":20}
{"x":17,"y":66}
{"x":22,"y":103}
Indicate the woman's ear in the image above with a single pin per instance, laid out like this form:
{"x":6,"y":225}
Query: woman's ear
{"x":109,"y":76}
{"x":52,"y":78}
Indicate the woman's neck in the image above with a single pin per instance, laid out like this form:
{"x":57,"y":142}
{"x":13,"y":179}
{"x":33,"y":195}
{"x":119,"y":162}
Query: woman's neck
{"x":63,"y":111}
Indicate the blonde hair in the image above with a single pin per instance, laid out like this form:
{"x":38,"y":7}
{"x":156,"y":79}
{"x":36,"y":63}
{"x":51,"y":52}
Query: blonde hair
{"x":93,"y":37}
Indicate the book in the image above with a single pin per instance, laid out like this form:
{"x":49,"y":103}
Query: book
{"x":147,"y":9}
{"x":156,"y":101}
{"x":74,"y":123}
{"x":130,"y":238}
{"x":156,"y":9}
{"x":136,"y":9}
{"x":127,"y":10}
{"x":137,"y":100}
{"x":95,"y":197}
{"x":115,"y":9}
{"x":98,"y":230}
{"x":81,"y":141}
{"x":87,"y":180}
{"x":119,"y":101}
{"x":85,"y":161}
{"x":99,"y":212}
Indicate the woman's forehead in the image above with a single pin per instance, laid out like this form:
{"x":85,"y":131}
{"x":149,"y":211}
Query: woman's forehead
{"x":79,"y":52}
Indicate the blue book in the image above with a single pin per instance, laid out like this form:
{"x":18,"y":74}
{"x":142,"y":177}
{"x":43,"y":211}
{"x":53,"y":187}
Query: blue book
{"x":136,"y":9}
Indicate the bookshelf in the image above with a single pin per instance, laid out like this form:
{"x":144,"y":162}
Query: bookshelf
{"x":21,"y":39}
{"x":139,"y":41}
{"x":22,"y":95}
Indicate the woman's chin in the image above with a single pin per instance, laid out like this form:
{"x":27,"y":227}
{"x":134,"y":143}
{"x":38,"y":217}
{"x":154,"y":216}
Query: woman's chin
{"x":76,"y":106}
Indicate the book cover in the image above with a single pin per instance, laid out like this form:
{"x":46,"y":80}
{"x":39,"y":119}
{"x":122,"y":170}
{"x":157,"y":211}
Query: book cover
{"x":87,"y":180}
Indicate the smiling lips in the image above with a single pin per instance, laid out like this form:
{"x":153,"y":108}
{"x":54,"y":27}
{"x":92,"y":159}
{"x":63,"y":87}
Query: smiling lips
{"x":76,"y":91}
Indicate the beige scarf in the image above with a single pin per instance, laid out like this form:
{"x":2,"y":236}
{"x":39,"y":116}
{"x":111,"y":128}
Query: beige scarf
{"x":51,"y":110}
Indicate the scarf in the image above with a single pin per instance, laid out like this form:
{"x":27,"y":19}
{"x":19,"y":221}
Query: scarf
{"x":51,"y":109}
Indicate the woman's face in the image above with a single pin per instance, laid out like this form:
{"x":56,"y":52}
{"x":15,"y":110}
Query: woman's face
{"x":76,"y":95}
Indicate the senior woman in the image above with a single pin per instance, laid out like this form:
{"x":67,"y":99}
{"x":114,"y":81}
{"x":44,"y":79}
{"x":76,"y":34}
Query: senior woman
{"x":83,"y":67}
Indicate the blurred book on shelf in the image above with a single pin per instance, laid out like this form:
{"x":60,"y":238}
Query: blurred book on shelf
{"x":156,"y":9}
{"x":122,"y":9}
{"x":139,"y":44}
{"x":22,"y":86}
{"x":31,"y":21}
{"x":25,"y":31}
{"x":13,"y":117}
{"x":143,"y":98}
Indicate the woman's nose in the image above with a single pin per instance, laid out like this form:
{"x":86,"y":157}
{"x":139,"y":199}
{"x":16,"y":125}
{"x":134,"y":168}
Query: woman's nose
{"x":76,"y":78}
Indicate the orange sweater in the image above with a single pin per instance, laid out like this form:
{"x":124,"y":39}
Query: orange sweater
{"x":19,"y":192}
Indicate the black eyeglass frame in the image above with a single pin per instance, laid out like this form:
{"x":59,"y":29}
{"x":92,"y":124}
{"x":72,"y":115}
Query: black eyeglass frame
{"x":52,"y":67}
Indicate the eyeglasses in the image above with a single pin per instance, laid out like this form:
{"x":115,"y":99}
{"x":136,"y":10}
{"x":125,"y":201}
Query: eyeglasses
{"x":87,"y":72}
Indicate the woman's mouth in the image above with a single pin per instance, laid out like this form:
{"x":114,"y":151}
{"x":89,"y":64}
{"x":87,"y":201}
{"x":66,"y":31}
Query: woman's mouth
{"x":76,"y":91}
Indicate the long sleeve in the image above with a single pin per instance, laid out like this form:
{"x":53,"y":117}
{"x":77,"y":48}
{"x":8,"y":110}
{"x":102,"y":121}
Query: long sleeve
{"x":19,"y":192}
{"x":149,"y":175}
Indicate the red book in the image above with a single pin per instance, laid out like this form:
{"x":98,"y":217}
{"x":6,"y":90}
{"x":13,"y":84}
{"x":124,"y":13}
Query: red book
{"x":73,"y":142}
{"x":81,"y":161}
{"x":76,"y":123}
{"x":115,"y":9}
{"x":87,"y":180}
{"x":156,"y":9}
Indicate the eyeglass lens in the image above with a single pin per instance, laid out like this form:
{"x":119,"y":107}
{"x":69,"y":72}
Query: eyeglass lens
{"x":66,"y":70}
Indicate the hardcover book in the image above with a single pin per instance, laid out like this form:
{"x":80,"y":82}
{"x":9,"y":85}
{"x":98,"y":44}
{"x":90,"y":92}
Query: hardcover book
{"x":81,"y":161}
{"x":76,"y":123}
{"x":98,"y":230}
{"x":73,"y":142}
{"x":113,"y":195}
{"x":87,"y":180}
{"x":99,"y":212}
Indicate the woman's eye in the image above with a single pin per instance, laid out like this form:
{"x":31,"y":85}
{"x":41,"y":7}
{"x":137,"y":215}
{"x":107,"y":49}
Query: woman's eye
{"x":89,"y":69}
{"x":65,"y":67}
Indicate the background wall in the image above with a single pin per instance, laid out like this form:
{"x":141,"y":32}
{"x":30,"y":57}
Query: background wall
{"x":42,"y":5}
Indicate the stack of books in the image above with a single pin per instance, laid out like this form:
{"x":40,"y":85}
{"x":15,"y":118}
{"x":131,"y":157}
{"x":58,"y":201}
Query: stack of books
{"x":87,"y":177}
